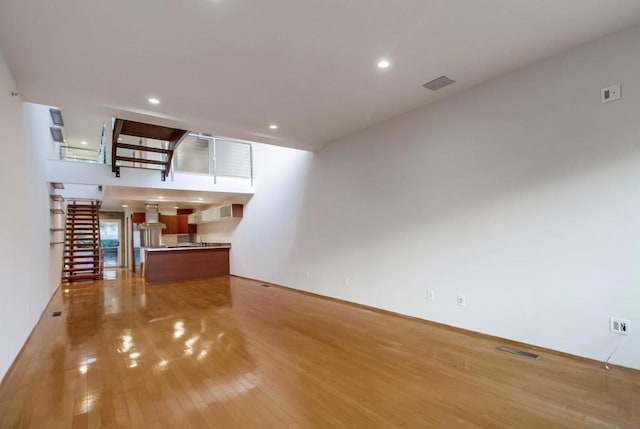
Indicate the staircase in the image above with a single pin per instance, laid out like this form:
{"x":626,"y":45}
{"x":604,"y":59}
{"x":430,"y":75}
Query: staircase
{"x":154,"y":149}
{"x":81,"y":256}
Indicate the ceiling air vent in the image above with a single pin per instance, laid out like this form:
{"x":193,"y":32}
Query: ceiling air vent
{"x":438,"y":83}
{"x":56,"y":117}
{"x":56,"y":133}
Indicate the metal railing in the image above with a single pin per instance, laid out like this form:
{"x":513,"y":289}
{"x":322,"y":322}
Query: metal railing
{"x":197,"y":154}
{"x":76,"y":153}
{"x":217,"y":157}
{"x":85,"y":154}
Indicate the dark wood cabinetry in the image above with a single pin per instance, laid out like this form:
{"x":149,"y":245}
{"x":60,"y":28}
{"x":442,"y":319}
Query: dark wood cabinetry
{"x":138,"y":217}
{"x":177,"y":224}
{"x":162,"y":265}
{"x":183,"y":225}
{"x":171,"y":224}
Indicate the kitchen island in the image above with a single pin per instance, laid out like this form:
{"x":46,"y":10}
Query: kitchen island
{"x":166,"y":264}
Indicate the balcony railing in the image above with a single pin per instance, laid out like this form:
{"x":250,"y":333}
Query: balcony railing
{"x":76,"y":153}
{"x":217,"y":157}
{"x":197,"y":154}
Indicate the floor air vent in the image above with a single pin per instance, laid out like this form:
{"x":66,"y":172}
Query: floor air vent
{"x":263,"y":285}
{"x":518,"y":352}
{"x":57,"y":313}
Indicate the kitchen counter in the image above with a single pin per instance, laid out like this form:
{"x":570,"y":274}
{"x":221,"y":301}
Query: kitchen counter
{"x":166,"y":264}
{"x":174,"y":248}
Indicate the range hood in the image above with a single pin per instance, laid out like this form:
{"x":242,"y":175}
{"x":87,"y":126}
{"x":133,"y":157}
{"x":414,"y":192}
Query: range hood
{"x":151,"y":218}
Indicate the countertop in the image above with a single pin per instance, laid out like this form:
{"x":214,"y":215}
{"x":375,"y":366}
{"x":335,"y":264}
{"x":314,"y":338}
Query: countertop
{"x":208,"y":246}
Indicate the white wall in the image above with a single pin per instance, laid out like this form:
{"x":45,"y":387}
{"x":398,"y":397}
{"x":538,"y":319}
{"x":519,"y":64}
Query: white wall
{"x":523,"y":194}
{"x":262,"y":240}
{"x":29,"y":275}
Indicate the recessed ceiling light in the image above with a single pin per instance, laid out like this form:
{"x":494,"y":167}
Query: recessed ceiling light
{"x":383,"y":64}
{"x":176,"y":207}
{"x":154,"y":101}
{"x":200,"y":199}
{"x":160,"y":197}
{"x":273,"y":126}
{"x":125,"y":206}
{"x":83,"y":143}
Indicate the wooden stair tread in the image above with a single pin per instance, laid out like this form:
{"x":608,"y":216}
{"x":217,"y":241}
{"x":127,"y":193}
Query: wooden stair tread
{"x":76,"y":249}
{"x":76,"y":257}
{"x":75,"y":270}
{"x":81,"y":278}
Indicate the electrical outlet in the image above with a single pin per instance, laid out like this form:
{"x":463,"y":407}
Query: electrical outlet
{"x":431,"y":295}
{"x":308,"y":275}
{"x":346,"y":281}
{"x":619,"y":326}
{"x":610,"y":93}
{"x":462,"y":301}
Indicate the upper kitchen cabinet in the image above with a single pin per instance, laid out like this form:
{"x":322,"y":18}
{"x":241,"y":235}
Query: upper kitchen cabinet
{"x":138,"y":217}
{"x":176,"y":224}
{"x":216,"y":214}
{"x":171,"y":222}
{"x":183,"y":225}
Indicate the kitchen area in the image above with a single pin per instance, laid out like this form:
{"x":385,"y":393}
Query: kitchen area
{"x":170,"y":247}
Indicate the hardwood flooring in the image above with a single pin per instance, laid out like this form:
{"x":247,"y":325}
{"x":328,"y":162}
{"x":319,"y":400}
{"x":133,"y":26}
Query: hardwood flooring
{"x":228,"y":353}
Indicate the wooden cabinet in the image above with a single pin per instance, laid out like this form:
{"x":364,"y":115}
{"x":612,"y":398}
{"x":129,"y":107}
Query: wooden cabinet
{"x":137,"y":217}
{"x":215,"y":214}
{"x":162,"y":265}
{"x":183,"y":225}
{"x":177,"y":224}
{"x":233,"y":210}
{"x":171,"y":224}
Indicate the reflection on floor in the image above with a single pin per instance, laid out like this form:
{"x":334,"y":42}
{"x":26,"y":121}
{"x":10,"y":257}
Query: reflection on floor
{"x":226,"y":352}
{"x":110,"y":273}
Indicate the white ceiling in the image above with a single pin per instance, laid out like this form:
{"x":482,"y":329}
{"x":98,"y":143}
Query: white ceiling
{"x":232,"y":67}
{"x":166,"y":199}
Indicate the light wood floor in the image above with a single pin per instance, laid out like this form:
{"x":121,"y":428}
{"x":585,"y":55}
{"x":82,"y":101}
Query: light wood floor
{"x":227,"y":353}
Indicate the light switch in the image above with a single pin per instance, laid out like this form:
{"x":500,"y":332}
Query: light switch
{"x":610,"y":93}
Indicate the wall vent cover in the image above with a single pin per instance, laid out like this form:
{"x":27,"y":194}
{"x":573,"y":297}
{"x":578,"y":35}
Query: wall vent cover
{"x":518,"y":352}
{"x":438,"y":83}
{"x":56,"y":134}
{"x":56,"y":117}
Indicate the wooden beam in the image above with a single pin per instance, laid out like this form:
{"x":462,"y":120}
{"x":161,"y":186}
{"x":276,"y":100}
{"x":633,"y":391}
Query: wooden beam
{"x":117,"y":129}
{"x":140,"y":160}
{"x":143,"y":148}
{"x":150,"y":131}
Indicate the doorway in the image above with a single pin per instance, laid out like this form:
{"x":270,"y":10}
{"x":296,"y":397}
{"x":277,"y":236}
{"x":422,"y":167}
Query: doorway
{"x":110,"y":243}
